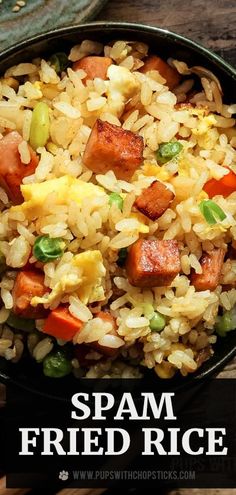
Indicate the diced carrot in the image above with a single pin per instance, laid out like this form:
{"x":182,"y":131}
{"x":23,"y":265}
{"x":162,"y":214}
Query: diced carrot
{"x":224,"y":187}
{"x":170,"y":74}
{"x":12,"y":170}
{"x":211,"y":264}
{"x":61,"y":324}
{"x":105,"y":350}
{"x":28,"y":283}
{"x":111,"y":148}
{"x":154,"y":200}
{"x":153,"y":263}
{"x":93,"y":66}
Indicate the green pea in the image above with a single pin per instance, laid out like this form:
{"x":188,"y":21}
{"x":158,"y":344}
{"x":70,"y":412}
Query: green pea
{"x":19,"y":323}
{"x":59,"y":61}
{"x":46,"y":249}
{"x":157,"y":322}
{"x":167,"y":151}
{"x":3,"y":265}
{"x":122,"y":255}
{"x":39,"y":129}
{"x":226,"y":323}
{"x":57,"y":364}
{"x":116,"y":199}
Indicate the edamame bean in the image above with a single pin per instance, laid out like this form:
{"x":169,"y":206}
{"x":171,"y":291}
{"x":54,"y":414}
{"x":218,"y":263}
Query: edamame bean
{"x":39,"y":129}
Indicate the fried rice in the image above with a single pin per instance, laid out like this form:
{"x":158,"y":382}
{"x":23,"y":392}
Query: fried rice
{"x":192,"y":113}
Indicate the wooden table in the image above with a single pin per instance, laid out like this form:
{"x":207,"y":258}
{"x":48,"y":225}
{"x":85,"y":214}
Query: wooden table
{"x":212,"y":23}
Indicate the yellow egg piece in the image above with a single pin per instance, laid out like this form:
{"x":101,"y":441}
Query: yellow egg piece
{"x":86,"y":281}
{"x":143,"y":228}
{"x":202,"y":195}
{"x":205,"y":123}
{"x":152,"y":170}
{"x":91,"y":264}
{"x":121,"y":86}
{"x":66,"y":188}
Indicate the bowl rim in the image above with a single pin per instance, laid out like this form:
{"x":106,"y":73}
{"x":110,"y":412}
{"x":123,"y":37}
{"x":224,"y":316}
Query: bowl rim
{"x":141,"y":27}
{"x":136,"y":28}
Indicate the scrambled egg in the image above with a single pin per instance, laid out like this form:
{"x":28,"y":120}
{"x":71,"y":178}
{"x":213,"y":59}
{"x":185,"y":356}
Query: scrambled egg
{"x":142,"y":228}
{"x":91,"y":264}
{"x":121,"y":86}
{"x":66,"y":188}
{"x":204,"y":124}
{"x":205,"y":121}
{"x":85,"y":278}
{"x":153,"y":170}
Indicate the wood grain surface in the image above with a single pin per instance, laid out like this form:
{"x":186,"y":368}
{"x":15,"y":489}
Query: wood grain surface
{"x":211,"y":22}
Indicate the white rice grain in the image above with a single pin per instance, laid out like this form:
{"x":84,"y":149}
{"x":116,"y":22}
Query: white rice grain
{"x":111,"y":341}
{"x":24,"y":152}
{"x":67,"y":109}
{"x":21,"y":70}
{"x":42,"y":349}
{"x":79,"y":310}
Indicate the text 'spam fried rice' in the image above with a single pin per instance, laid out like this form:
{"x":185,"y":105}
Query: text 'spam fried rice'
{"x":118,"y":212}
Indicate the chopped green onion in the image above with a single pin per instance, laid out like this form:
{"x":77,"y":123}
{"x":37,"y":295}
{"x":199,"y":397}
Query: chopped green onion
{"x":122,"y":255}
{"x":19,"y":323}
{"x":116,"y":199}
{"x":59,"y":61}
{"x":46,"y":249}
{"x":211,"y":211}
{"x":167,"y":151}
{"x":56,"y":364}
{"x":157,"y":322}
{"x":226,"y":323}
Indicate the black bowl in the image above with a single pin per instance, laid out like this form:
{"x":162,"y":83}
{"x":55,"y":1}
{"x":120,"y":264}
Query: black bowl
{"x":27,"y":373}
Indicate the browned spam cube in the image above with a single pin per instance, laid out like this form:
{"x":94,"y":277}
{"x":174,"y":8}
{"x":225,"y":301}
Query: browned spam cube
{"x":153,"y":263}
{"x":169,"y":73}
{"x":211,"y":264}
{"x":93,"y":66}
{"x":154,"y":200}
{"x":112,"y":148}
